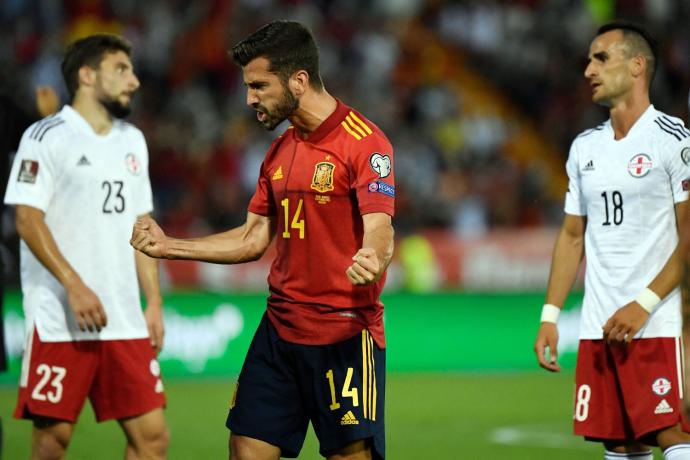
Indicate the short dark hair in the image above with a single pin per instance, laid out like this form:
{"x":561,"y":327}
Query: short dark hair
{"x":640,"y":41}
{"x":289,"y":46}
{"x":89,"y":51}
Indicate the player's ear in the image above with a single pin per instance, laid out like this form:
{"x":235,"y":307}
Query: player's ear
{"x":87,"y":76}
{"x":299,"y":82}
{"x":638,"y":66}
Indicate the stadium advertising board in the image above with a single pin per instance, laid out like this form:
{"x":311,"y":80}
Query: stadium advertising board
{"x":207,"y":334}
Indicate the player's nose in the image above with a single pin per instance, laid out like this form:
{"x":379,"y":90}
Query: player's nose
{"x":134,"y":82}
{"x":252,"y":99}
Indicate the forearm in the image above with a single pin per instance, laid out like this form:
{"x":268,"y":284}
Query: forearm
{"x":565,"y":265}
{"x":32,"y":228}
{"x":147,"y":269}
{"x":669,"y":277}
{"x":380,"y":239}
{"x":230,"y":247}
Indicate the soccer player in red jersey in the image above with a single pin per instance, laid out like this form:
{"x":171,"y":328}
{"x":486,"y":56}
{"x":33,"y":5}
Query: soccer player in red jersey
{"x":326,"y":191}
{"x":628,"y":189}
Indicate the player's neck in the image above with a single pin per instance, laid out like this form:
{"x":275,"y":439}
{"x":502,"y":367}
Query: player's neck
{"x":94,"y":113}
{"x":625,"y":113}
{"x":314,"y":109}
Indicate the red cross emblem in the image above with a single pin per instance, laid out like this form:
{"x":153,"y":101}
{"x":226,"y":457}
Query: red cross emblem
{"x":661,"y":386}
{"x":133,"y":164}
{"x":639,"y":165}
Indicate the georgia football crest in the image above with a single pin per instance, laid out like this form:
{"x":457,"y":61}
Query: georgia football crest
{"x":323,"y":177}
{"x":639,"y":165}
{"x":133,"y":164}
{"x":661,"y":386}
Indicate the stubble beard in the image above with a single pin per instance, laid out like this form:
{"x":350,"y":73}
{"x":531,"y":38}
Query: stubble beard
{"x":115,"y":108}
{"x":286,"y":107}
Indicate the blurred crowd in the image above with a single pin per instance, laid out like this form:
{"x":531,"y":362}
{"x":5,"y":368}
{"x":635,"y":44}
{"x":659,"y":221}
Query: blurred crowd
{"x":480,"y":98}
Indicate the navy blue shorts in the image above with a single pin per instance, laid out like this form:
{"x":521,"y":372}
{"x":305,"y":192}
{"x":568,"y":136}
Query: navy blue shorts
{"x":340,"y":388}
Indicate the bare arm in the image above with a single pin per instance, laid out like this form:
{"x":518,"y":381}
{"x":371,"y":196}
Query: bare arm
{"x":147,"y":271}
{"x":670,"y":275}
{"x":86,"y":306}
{"x":629,"y":319}
{"x":241,"y":244}
{"x":371,"y":261}
{"x":565,"y":263}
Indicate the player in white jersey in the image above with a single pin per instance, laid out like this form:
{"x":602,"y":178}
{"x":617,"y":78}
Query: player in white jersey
{"x":79,"y":182}
{"x":628,"y":186}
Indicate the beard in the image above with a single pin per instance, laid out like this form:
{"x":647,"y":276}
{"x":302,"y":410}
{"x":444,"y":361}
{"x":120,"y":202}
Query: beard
{"x":115,"y":108}
{"x":283,"y":109}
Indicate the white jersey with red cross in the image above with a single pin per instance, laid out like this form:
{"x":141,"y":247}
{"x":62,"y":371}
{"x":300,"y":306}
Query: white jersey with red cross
{"x":627,"y":189}
{"x":91,"y":189}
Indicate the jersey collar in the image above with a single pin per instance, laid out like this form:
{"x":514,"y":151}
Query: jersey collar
{"x":82,"y":125}
{"x":646,"y":118}
{"x":328,"y":125}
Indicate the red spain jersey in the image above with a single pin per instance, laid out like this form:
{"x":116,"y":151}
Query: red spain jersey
{"x":317,"y":189}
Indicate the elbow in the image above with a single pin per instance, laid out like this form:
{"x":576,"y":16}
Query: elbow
{"x":256,"y":251}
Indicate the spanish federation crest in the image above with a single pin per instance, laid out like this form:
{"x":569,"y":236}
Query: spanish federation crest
{"x":323,"y":177}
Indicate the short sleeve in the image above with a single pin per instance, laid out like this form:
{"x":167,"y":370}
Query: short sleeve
{"x":262,"y":200}
{"x":574,"y":201}
{"x":373,"y":175}
{"x":144,"y":197}
{"x":678,"y":168}
{"x":32,"y":178}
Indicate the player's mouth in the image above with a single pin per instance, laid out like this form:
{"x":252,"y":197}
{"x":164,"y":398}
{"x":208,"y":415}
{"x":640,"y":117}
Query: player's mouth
{"x":261,"y":116}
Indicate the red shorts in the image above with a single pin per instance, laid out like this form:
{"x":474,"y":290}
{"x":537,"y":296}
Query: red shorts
{"x":624,"y":393}
{"x":120,"y":377}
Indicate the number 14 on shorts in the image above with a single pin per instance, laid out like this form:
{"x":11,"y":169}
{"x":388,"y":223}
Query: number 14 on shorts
{"x":347,"y":391}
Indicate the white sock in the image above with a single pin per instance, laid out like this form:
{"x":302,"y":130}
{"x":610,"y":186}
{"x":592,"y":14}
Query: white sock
{"x":677,"y":452}
{"x":608,"y":455}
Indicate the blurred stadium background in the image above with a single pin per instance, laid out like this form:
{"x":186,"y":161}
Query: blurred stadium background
{"x":480,"y":99}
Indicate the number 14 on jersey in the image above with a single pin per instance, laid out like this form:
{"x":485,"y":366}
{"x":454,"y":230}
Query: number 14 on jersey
{"x":296,"y":223}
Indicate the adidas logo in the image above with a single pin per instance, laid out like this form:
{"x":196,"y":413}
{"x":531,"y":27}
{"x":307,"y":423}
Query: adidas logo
{"x":663,"y":408}
{"x":349,"y":419}
{"x":83,"y":161}
{"x":278,"y":174}
{"x":589,"y":166}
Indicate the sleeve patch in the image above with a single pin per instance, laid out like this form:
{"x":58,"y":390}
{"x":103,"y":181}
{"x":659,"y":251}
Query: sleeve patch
{"x":382,"y":187}
{"x":28,"y":171}
{"x":685,"y":155}
{"x":380,"y":164}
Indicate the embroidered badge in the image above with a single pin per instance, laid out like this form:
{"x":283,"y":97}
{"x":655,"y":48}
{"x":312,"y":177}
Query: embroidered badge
{"x":28,"y":171}
{"x":323,"y":177}
{"x":381,"y":164}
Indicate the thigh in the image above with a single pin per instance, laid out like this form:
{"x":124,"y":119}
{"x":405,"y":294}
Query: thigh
{"x":55,"y":378}
{"x":267,"y":404}
{"x":651,"y":381}
{"x":128,"y":382}
{"x":345,"y":386}
{"x":599,"y":411}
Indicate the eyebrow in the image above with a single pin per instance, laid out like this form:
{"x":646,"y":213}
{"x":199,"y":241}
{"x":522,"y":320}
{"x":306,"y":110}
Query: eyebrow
{"x":601,"y":55}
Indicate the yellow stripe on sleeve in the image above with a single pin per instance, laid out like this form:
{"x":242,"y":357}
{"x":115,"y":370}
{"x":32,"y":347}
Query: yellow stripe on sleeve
{"x":349,"y":130}
{"x":358,"y":120}
{"x":356,"y":126}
